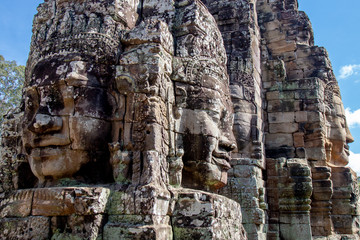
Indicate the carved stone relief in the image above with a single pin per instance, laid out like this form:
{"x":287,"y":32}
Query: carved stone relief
{"x":177,"y":119}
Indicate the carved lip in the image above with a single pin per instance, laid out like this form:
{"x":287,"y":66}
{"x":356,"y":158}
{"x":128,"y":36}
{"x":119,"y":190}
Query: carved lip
{"x":347,"y":149}
{"x":222,"y":159}
{"x":52,"y":141}
{"x":48,"y":152}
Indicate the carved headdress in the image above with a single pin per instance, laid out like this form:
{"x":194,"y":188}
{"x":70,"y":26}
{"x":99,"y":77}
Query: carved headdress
{"x":82,"y":27}
{"x":332,"y":98}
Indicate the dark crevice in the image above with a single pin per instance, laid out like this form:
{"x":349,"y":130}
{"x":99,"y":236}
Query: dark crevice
{"x":141,"y":17}
{"x":141,"y":163}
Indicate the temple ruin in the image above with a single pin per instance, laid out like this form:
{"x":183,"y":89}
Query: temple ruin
{"x":177,"y":120}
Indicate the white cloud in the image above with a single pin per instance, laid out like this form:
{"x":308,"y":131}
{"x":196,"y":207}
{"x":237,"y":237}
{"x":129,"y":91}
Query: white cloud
{"x":354,"y":162}
{"x":349,"y":70}
{"x":352,"y":118}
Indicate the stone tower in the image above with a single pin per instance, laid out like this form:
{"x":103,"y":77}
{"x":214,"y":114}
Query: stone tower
{"x":177,"y":120}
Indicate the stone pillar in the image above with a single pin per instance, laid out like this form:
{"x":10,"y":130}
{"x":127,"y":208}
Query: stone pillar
{"x":345,"y":201}
{"x":289,"y":191}
{"x":321,"y":224}
{"x":246,"y":186}
{"x":143,"y":81}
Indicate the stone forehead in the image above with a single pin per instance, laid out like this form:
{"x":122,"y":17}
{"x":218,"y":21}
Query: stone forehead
{"x":57,"y":12}
{"x":51,"y":7}
{"x":88,"y":28}
{"x":72,"y":70}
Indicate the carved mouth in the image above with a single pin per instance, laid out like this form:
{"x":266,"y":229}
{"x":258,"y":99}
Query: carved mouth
{"x":222,"y":159}
{"x":52,"y":141}
{"x":48,"y":152}
{"x":347,"y":149}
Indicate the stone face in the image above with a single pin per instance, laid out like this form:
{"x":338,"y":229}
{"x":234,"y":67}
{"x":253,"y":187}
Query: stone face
{"x":177,"y":120}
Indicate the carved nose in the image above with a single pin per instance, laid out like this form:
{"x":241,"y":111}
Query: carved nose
{"x":227,"y":144}
{"x":44,"y":123}
{"x":349,"y":137}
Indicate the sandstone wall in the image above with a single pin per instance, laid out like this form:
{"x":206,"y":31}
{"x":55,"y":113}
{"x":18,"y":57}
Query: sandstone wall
{"x":297,"y":78}
{"x":143,"y":101}
{"x":237,"y":21}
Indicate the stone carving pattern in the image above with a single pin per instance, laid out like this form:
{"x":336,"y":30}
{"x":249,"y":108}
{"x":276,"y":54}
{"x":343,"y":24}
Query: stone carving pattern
{"x":151,"y":81}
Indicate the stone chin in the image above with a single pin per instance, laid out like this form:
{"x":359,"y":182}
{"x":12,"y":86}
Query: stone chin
{"x":207,"y":175}
{"x":340,"y":154}
{"x":216,"y":175}
{"x":52,"y":163}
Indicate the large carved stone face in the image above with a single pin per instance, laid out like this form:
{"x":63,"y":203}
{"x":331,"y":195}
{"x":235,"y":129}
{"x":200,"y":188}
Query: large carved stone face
{"x":208,"y":137}
{"x":339,"y":137}
{"x":67,"y":121}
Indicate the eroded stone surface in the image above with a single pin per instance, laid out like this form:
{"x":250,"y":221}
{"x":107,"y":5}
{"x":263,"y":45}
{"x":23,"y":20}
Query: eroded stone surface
{"x":128,"y":102}
{"x":206,"y":216}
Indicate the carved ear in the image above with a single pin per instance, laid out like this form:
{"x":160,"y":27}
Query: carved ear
{"x":328,"y":148}
{"x":125,"y":84}
{"x":181,"y":96}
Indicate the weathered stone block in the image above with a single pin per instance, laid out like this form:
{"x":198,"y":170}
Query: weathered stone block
{"x":279,"y":140}
{"x":281,"y":117}
{"x":120,"y":203}
{"x":77,"y":227}
{"x":283,"y":106}
{"x":25,"y":228}
{"x":114,"y":231}
{"x":322,"y":193}
{"x":67,"y":201}
{"x":295,"y":231}
{"x":195,"y":214}
{"x":18,"y":204}
{"x":344,"y":224}
{"x":151,"y":200}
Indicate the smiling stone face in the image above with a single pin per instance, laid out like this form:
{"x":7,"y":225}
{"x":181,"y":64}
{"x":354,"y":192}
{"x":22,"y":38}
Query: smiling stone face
{"x":208,"y":141}
{"x":205,"y":125}
{"x":67,"y":125}
{"x":338,"y":135}
{"x":68,"y":106}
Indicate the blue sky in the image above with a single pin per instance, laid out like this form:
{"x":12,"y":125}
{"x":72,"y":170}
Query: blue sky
{"x":336,"y":26}
{"x":15,"y":28}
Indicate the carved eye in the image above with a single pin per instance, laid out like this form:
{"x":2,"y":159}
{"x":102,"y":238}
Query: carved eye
{"x":215,"y":116}
{"x":31,"y":99}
